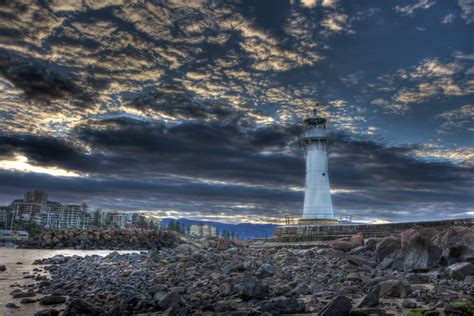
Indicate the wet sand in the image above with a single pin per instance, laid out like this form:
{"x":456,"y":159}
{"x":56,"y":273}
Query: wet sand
{"x":15,"y":273}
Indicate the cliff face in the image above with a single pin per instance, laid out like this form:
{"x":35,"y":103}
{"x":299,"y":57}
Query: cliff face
{"x":104,"y":239}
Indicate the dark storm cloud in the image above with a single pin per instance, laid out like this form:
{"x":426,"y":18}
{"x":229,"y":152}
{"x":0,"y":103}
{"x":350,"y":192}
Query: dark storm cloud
{"x":365,"y":175}
{"x":217,"y":151}
{"x":175,"y":101}
{"x":40,"y":83}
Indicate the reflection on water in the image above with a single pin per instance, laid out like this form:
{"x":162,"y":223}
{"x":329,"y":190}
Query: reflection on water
{"x":14,"y":274}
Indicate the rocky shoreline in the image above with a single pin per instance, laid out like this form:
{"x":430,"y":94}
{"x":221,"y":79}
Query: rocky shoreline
{"x":418,"y":272}
{"x":104,"y":239}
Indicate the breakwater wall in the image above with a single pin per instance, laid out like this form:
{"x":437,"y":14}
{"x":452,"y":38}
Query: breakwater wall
{"x":104,"y":239}
{"x":296,"y":233}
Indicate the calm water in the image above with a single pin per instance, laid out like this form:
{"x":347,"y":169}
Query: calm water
{"x":14,"y":274}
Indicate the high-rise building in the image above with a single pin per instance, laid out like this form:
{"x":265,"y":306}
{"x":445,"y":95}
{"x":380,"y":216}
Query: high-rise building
{"x":31,"y":204}
{"x":73,"y":216}
{"x":38,"y":197}
{"x":117,"y":220}
{"x":50,"y":215}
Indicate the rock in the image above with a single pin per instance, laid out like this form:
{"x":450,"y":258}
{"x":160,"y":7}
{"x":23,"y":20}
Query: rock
{"x":469,"y":279}
{"x":171,"y":299}
{"x":11,"y":305}
{"x":47,"y":312}
{"x":371,"y":243}
{"x":265,"y":270}
{"x":249,"y":288}
{"x":81,"y":307}
{"x":28,"y":300}
{"x":408,"y":304}
{"x":423,"y":312}
{"x":459,"y":308}
{"x":459,"y":271}
{"x":387,"y":246}
{"x":457,"y":244}
{"x":346,"y":244}
{"x":354,"y":276}
{"x":368,"y":312}
{"x":360,"y":261}
{"x":395,"y":288}
{"x":371,"y":299}
{"x":418,"y":251}
{"x":338,"y":306}
{"x":357,"y":240}
{"x":302,"y":289}
{"x":282,"y":305}
{"x":21,"y":294}
{"x":19,"y":262}
{"x":52,"y":300}
{"x":416,"y":278}
{"x":2,"y":268}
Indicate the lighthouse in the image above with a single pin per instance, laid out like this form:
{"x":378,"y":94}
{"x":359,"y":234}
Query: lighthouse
{"x":317,"y":196}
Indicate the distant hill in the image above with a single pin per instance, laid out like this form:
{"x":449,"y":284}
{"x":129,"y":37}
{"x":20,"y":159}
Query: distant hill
{"x":243,"y":231}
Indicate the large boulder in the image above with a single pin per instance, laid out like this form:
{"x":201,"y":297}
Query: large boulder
{"x":52,"y":300}
{"x":81,"y":307}
{"x":282,"y":305}
{"x":395,"y":288}
{"x":361,"y":261}
{"x":386,"y":247}
{"x":265,"y":270}
{"x":348,"y":243}
{"x":460,"y":270}
{"x":339,"y":306}
{"x":418,"y":252}
{"x":371,"y":299}
{"x":457,"y":244}
{"x":250,"y":287}
{"x":171,"y":299}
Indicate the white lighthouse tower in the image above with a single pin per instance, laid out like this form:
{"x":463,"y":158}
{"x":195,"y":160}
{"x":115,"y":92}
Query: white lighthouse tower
{"x":317,"y":195}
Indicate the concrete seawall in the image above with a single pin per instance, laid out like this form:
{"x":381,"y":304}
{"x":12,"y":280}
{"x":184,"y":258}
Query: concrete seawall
{"x":297,"y":233}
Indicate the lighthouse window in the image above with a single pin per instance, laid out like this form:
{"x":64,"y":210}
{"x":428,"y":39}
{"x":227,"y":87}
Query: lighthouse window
{"x":324,"y":174}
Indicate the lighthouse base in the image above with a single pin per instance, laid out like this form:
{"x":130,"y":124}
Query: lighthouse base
{"x":303,"y":232}
{"x":317,"y":221}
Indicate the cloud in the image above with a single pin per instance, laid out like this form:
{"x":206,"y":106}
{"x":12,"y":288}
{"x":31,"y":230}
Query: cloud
{"x":448,"y":18}
{"x":419,"y":5}
{"x":432,"y":78}
{"x":461,"y":118}
{"x":336,"y":22}
{"x":467,"y":7}
{"x":45,"y":85}
{"x":191,"y":107}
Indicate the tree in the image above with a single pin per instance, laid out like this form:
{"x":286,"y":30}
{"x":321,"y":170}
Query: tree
{"x":233,"y":235}
{"x":108,"y":221}
{"x":224,"y":233}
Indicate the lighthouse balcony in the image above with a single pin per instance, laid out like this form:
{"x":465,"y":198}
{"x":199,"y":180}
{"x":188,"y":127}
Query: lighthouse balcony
{"x":312,"y":134}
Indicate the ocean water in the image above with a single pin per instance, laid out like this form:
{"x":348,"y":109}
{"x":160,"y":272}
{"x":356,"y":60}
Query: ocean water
{"x":14,"y":274}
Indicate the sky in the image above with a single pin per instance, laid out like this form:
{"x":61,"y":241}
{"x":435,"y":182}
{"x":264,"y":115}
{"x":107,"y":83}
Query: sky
{"x":192,"y":108}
